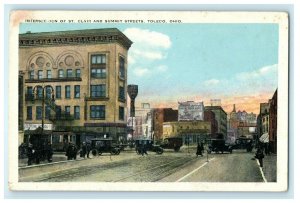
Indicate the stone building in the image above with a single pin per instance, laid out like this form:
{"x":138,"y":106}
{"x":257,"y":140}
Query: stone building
{"x":75,"y":83}
{"x":141,"y":129}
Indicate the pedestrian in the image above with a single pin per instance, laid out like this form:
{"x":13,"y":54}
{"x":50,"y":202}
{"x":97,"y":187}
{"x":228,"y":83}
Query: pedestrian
{"x":70,"y":151}
{"x":199,"y":149}
{"x":83,"y":150}
{"x":88,"y":149}
{"x":30,"y":154}
{"x":48,"y":152}
{"x":260,"y":155}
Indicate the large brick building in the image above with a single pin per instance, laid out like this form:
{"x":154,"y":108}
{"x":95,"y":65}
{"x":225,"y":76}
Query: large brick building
{"x":75,"y":82}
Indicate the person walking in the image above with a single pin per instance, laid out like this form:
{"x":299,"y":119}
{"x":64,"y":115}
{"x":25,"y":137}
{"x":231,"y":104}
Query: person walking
{"x":48,"y":152}
{"x":30,"y":154}
{"x":88,"y":149}
{"x":199,"y":149}
{"x":260,"y":155}
{"x":83,"y":150}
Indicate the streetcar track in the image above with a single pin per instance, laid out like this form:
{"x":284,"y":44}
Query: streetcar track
{"x":152,"y":170}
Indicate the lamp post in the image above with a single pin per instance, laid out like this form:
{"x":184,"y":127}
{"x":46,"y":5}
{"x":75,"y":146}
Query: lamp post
{"x":40,"y":91}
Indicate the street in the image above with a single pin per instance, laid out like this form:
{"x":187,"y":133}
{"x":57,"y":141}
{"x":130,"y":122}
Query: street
{"x":182,"y":166}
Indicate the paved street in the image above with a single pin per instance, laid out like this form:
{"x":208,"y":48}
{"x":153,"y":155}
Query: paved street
{"x":168,"y":167}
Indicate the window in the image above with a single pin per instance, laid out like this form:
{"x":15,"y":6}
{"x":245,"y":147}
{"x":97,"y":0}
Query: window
{"x":58,"y":112}
{"x":98,"y":73}
{"x":39,"y":112}
{"x":68,"y":91}
{"x":97,"y":112}
{"x":58,"y":92}
{"x":121,"y":113}
{"x":99,"y":59}
{"x":78,"y":73}
{"x":29,"y":113}
{"x":49,"y":74}
{"x":121,"y":93}
{"x":29,"y":93}
{"x":77,"y":112}
{"x":77,"y":91}
{"x":67,"y":110}
{"x":122,"y":67}
{"x":98,"y":91}
{"x":47,"y":112}
{"x":39,"y":92}
{"x":31,"y":74}
{"x":48,"y":92}
{"x":40,"y":74}
{"x":69,"y":73}
{"x":60,"y":73}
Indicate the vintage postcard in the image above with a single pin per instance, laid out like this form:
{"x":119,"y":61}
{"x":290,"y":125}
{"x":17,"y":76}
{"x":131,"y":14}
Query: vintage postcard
{"x":148,"y":101}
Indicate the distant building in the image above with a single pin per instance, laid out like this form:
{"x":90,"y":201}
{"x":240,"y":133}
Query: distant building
{"x":159,"y":116}
{"x":273,"y":123}
{"x":209,"y":116}
{"x":190,"y":131}
{"x":140,"y":120}
{"x":221,"y":117}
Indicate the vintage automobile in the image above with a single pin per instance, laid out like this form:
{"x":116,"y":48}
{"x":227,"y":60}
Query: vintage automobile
{"x":172,"y":143}
{"x":147,"y":145}
{"x":244,"y":143}
{"x":218,"y":145}
{"x":103,"y":145}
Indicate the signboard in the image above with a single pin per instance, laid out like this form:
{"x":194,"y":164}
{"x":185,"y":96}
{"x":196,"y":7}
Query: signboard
{"x":33,"y":126}
{"x":131,"y":121}
{"x":190,"y":111}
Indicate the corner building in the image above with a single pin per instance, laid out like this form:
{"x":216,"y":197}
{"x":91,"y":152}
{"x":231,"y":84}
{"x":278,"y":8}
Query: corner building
{"x":85,"y":72}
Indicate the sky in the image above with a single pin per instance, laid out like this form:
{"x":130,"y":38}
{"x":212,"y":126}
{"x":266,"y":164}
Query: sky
{"x":236,"y":63}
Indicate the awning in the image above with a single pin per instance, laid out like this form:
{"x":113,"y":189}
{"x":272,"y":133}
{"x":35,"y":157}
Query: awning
{"x":264,"y":138}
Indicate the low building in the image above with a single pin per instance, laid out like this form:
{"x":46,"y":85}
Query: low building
{"x":190,"y":131}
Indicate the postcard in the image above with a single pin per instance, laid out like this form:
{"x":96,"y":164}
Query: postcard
{"x":148,"y":101}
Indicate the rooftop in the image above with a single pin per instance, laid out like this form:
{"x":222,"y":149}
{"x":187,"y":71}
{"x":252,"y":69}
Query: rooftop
{"x":106,"y":35}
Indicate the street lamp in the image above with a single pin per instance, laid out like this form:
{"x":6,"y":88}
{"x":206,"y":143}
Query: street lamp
{"x":40,"y":91}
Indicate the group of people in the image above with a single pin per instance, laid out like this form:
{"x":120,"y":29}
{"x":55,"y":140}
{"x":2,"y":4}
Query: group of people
{"x":36,"y":154}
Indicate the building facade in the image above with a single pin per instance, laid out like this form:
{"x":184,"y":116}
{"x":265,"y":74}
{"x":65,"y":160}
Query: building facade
{"x":75,"y":83}
{"x":221,"y":117}
{"x":191,"y":132}
{"x":273,"y":123}
{"x":159,"y":116}
{"x":141,"y":129}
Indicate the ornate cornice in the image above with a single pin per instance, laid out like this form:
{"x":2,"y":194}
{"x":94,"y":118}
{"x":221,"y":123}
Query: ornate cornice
{"x":76,"y":37}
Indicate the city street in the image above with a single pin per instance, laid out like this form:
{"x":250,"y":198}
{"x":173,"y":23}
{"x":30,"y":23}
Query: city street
{"x":182,"y":166}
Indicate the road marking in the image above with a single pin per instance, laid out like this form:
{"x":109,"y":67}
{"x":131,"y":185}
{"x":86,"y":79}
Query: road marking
{"x":180,"y":179}
{"x":261,"y":171}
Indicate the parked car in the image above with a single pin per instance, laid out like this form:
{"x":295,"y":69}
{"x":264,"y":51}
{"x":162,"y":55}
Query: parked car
{"x":147,"y":145}
{"x":219,"y":145}
{"x":172,"y":143}
{"x":103,"y":145}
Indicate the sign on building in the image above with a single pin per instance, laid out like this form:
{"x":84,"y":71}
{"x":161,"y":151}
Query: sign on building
{"x":189,"y":111}
{"x":31,"y":126}
{"x":131,"y":122}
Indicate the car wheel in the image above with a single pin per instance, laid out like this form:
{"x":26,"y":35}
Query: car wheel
{"x":95,"y":152}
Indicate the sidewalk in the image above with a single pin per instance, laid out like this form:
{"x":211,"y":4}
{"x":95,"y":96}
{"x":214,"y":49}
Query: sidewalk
{"x":55,"y":158}
{"x":270,"y":167}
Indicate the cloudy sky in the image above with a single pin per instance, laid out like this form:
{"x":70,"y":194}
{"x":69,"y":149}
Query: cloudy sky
{"x":236,"y":63}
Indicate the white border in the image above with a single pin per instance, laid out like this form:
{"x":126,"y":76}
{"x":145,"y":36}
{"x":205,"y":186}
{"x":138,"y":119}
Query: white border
{"x":186,"y":17}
